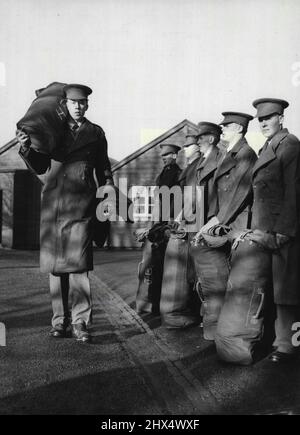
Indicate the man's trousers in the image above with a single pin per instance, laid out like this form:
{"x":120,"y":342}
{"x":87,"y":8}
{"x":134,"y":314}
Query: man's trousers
{"x":75,"y":286}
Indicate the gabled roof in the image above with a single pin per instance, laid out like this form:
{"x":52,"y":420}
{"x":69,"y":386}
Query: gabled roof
{"x":153,"y":143}
{"x":9,"y":157}
{"x":7,"y":146}
{"x":10,"y":160}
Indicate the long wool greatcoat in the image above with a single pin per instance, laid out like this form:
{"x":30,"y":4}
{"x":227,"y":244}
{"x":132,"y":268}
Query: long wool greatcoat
{"x":188,"y":178}
{"x":276,"y":206}
{"x":69,"y":198}
{"x":233,"y":184}
{"x":205,"y":177}
{"x":168,"y":177}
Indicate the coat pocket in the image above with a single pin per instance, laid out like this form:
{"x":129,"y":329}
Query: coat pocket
{"x":79,"y":177}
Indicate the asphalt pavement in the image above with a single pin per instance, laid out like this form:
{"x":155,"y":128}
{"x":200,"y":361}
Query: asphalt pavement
{"x":133,"y":366}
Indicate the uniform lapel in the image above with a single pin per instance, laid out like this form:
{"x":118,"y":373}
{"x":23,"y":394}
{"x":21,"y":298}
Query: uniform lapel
{"x":182,"y":176}
{"x":230,"y":161}
{"x":206,"y":167}
{"x":269,"y":154}
{"x":191,"y":168}
{"x":85,"y":135}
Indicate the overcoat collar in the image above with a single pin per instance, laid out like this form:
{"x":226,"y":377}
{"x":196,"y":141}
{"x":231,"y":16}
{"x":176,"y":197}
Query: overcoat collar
{"x":191,"y":167}
{"x":85,"y":135}
{"x":207,"y":166}
{"x":269,"y":154}
{"x":230,"y":160}
{"x":167,"y":170}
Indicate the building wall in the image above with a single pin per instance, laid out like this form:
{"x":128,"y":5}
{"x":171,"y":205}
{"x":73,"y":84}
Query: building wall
{"x":7,"y":207}
{"x":21,"y":198}
{"x":141,"y":171}
{"x":27,"y":209}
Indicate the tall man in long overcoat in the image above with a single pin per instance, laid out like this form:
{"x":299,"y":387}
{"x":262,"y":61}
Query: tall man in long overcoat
{"x":188,"y":180}
{"x":68,"y":210}
{"x":276,"y":206}
{"x":233,"y":177}
{"x":208,"y":140}
{"x":211,"y":263}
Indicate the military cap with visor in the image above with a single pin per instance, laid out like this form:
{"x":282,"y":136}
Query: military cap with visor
{"x":191,"y":136}
{"x":77,"y":92}
{"x":209,"y":128}
{"x":237,"y":118}
{"x":167,"y":148}
{"x":269,"y":106}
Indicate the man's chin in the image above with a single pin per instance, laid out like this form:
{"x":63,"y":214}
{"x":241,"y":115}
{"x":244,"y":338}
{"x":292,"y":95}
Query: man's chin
{"x":77,"y":118}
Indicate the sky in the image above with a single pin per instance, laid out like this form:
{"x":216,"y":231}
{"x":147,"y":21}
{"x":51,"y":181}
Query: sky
{"x":151,"y":63}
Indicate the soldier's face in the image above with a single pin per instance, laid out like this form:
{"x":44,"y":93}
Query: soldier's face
{"x":229,"y":131}
{"x":77,"y":108}
{"x":168,"y":158}
{"x":204,"y":142}
{"x":270,"y":125}
{"x":190,"y":150}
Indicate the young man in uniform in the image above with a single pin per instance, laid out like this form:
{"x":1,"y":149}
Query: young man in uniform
{"x":68,"y":210}
{"x":276,"y":178}
{"x":233,"y":177}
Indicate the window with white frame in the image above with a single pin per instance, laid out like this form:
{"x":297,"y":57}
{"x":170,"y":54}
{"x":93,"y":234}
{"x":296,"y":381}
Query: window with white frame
{"x":143,"y":202}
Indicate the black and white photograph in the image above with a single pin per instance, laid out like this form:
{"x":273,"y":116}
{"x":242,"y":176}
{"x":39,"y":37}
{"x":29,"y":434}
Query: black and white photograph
{"x":149,"y":210}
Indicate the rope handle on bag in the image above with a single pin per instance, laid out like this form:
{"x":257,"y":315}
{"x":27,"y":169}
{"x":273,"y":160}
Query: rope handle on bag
{"x":139,"y":268}
{"x":199,"y":291}
{"x":240,"y":239}
{"x":260,"y":307}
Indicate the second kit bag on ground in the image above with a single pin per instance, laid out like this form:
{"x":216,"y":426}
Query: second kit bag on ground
{"x":240,"y":330}
{"x":179,"y":304}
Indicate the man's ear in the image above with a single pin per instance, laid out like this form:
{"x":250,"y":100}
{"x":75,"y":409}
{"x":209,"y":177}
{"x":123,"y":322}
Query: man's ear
{"x":239,"y":128}
{"x":281,"y":120}
{"x":211,"y":139}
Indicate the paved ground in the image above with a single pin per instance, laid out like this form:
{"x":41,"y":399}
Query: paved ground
{"x":133,"y":366}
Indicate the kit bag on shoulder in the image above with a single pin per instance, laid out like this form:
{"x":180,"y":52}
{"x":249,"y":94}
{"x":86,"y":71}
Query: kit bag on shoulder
{"x":45,"y":120}
{"x":150,"y":271}
{"x":212,"y":270}
{"x":248,"y":303}
{"x":179,"y":305}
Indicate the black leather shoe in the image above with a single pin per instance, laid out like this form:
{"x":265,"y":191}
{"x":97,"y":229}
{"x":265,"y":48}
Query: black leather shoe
{"x":281,"y":357}
{"x":80,"y":332}
{"x":59,"y":331}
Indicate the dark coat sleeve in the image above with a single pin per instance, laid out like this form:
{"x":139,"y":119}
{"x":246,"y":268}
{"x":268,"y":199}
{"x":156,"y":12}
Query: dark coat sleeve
{"x":175,"y":176}
{"x":212,"y":205}
{"x":241,"y":195}
{"x":288,"y":219}
{"x":35,"y":161}
{"x":169,"y":176}
{"x":103,"y":167}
